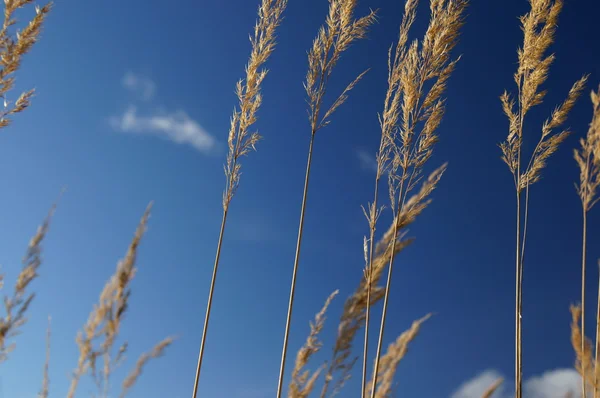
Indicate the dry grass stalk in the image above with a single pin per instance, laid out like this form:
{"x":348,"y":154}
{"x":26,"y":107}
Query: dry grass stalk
{"x":16,"y":306}
{"x":353,"y":314}
{"x":588,"y":160}
{"x":12,"y":50}
{"x":539,"y":27}
{"x":156,"y":352}
{"x":413,"y":69}
{"x":492,"y":389}
{"x":46,"y":378}
{"x":240,"y":140}
{"x":97,"y":339}
{"x":583,"y":348}
{"x":303,"y":382}
{"x":389,"y":362}
{"x":340,"y":30}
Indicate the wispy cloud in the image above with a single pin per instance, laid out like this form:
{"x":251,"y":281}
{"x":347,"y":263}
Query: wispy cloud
{"x":140,"y":85}
{"x":176,"y":126}
{"x":552,"y":384}
{"x":366,"y":160}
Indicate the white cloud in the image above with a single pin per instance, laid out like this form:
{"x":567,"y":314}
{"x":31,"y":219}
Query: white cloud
{"x":555,"y":383}
{"x":552,"y":384}
{"x":367,"y":161}
{"x":140,"y":85}
{"x":176,"y":126}
{"x":475,"y":387}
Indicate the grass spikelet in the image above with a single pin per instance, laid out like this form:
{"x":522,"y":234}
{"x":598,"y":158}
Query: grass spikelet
{"x":340,"y":30}
{"x":303,"y":382}
{"x":582,"y":347}
{"x":12,"y":50}
{"x":16,"y":306}
{"x":539,"y":28}
{"x":389,"y":362}
{"x":97,"y":338}
{"x":240,"y":140}
{"x":354,"y":312}
{"x":156,"y":352}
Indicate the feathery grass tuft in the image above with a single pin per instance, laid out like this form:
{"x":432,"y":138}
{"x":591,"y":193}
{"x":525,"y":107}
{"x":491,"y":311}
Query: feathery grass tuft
{"x":12,"y":50}
{"x":16,"y":306}
{"x":303,"y":382}
{"x":539,"y":28}
{"x":96,"y":340}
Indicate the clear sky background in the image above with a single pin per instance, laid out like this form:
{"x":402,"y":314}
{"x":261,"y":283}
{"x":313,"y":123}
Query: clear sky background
{"x":108,"y":73}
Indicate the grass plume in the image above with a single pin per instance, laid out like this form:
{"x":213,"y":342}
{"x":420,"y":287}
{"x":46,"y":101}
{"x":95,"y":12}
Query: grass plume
{"x":389,"y":362}
{"x":340,"y":30}
{"x":303,"y":382}
{"x":413,"y":110}
{"x":16,"y":306}
{"x":240,"y":140}
{"x":98,"y":336}
{"x":539,"y":28}
{"x":12,"y":50}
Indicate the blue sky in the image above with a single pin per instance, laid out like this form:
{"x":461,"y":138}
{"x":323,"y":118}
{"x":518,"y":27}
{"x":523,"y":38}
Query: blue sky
{"x":119,"y":83}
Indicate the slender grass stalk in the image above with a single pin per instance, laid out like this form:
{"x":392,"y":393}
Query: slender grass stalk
{"x":240,"y":141}
{"x":46,"y":378}
{"x":587,"y":159}
{"x":539,"y":27}
{"x":340,"y":30}
{"x":596,"y":363}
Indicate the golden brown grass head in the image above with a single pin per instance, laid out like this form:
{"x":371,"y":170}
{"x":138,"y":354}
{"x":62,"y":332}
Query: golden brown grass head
{"x":96,"y":340}
{"x":588,"y":158}
{"x":240,"y":140}
{"x":389,"y":362}
{"x":340,"y":30}
{"x":539,"y":27}
{"x":303,"y":381}
{"x":16,"y":306}
{"x":353,"y":314}
{"x":12,"y":50}
{"x":133,"y":376}
{"x":583,"y":352}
